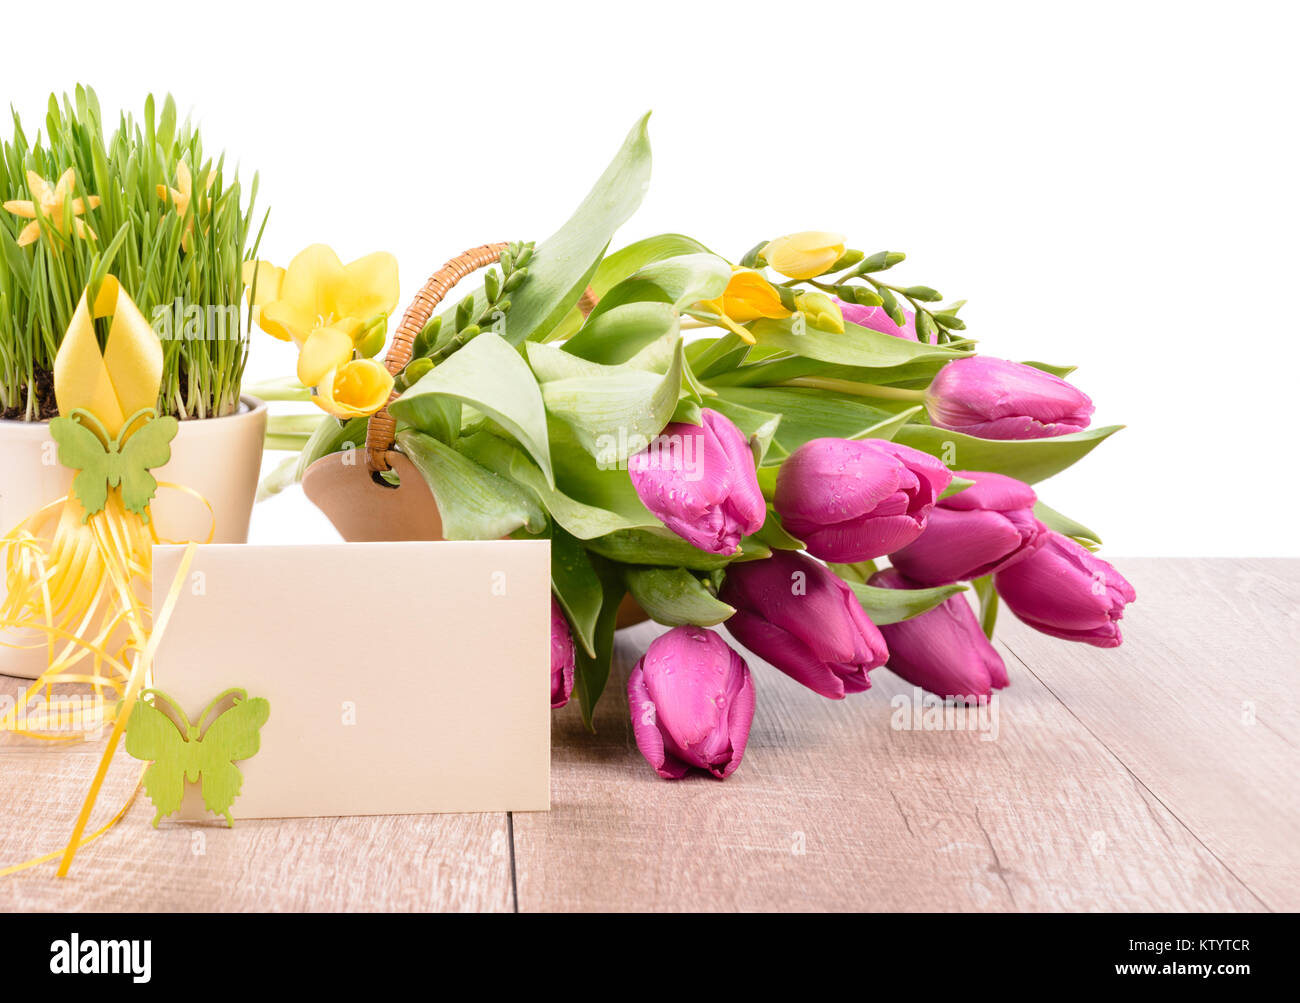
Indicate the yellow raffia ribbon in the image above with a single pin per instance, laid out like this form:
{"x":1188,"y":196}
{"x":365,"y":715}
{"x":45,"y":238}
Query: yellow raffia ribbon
{"x":77,"y":580}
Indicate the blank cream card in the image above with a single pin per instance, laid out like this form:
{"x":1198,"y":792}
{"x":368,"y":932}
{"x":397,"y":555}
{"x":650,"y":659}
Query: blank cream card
{"x":402,"y":677}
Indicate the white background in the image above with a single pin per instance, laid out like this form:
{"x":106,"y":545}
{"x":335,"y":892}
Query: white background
{"x":1112,"y":185}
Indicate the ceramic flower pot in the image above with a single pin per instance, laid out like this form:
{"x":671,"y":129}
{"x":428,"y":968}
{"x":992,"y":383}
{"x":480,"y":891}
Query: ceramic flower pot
{"x":218,"y":458}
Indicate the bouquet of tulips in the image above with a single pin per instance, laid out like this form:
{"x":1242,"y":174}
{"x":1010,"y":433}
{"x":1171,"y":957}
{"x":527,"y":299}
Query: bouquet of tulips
{"x":731,"y":443}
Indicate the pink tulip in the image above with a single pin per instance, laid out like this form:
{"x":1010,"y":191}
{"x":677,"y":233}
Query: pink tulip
{"x":801,"y":617}
{"x":692,"y":702}
{"x":562,"y":657}
{"x":943,"y":650}
{"x":853,"y":500}
{"x":1068,"y":592}
{"x":988,"y":526}
{"x":701,"y":483}
{"x":878,"y":319}
{"x":997,"y":399}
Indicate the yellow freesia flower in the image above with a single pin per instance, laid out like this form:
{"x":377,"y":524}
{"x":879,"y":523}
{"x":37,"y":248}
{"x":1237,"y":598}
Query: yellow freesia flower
{"x":804,"y":255}
{"x":317,"y":290}
{"x":820,"y":311}
{"x":182,"y":195}
{"x":355,"y":390}
{"x":748,"y":296}
{"x":51,"y":199}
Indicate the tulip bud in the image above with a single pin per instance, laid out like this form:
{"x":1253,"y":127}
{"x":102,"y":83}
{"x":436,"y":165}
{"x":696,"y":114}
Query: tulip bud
{"x":987,"y":527}
{"x":820,"y":311}
{"x":700,"y":481}
{"x":878,"y":319}
{"x":692,"y":702}
{"x":943,"y":650}
{"x":1067,"y":592}
{"x":996,"y":399}
{"x":563,"y":657}
{"x":854,"y":500}
{"x":802,"y":618}
{"x":804,"y":255}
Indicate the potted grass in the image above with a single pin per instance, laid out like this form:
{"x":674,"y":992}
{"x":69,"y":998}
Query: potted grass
{"x":145,"y":203}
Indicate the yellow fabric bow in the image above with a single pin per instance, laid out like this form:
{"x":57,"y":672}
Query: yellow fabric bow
{"x":78,"y":580}
{"x":124,"y":378}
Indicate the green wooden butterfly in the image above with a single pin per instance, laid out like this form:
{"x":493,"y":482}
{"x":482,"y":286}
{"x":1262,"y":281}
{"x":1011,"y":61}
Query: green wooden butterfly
{"x":182,"y":752}
{"x":124,"y":461}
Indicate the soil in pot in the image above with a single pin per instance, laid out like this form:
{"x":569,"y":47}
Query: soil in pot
{"x":47,"y":408}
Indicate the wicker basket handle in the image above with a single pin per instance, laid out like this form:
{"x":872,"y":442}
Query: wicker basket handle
{"x":382,"y":429}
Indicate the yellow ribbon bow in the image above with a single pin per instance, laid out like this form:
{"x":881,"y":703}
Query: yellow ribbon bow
{"x":78,"y":579}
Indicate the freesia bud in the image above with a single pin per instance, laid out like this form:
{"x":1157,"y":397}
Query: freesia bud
{"x":802,"y":618}
{"x":820,"y":311}
{"x":692,"y":702}
{"x":852,"y":500}
{"x":804,"y":255}
{"x":563,"y":657}
{"x":1067,"y":592}
{"x":701,"y":483}
{"x":943,"y":650}
{"x":877,"y":319}
{"x":997,"y":399}
{"x":988,"y":526}
{"x":748,"y":297}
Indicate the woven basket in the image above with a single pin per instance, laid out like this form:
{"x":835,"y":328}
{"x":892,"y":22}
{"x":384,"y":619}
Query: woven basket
{"x":382,"y":430}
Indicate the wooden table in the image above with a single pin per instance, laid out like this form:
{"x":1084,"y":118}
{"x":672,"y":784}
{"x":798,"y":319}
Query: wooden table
{"x":1164,"y":775}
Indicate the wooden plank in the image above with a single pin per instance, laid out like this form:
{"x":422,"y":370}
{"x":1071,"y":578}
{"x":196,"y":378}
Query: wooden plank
{"x":394,"y":862}
{"x":836,"y":809}
{"x":1202,"y":703}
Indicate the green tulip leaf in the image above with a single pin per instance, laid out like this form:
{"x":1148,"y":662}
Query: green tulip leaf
{"x":615,"y":412}
{"x":581,"y":520}
{"x":674,"y":597}
{"x":857,"y":346}
{"x":988,"y":598}
{"x":1047,"y":367}
{"x":680,"y":281}
{"x":618,"y":265}
{"x":576,"y":587}
{"x":474,"y":502}
{"x":810,"y":414}
{"x":1066,"y":526}
{"x":591,"y":671}
{"x":888,"y":428}
{"x":774,"y":535}
{"x":491,"y":377}
{"x":618,"y":334}
{"x":1029,"y":460}
{"x":663,"y":548}
{"x":860,"y":572}
{"x":564,"y":263}
{"x":772,"y":371}
{"x":892,"y":605}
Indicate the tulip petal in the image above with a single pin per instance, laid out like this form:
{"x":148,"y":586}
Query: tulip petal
{"x":943,"y":651}
{"x":1066,"y":591}
{"x":646,"y":731}
{"x":784,"y":651}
